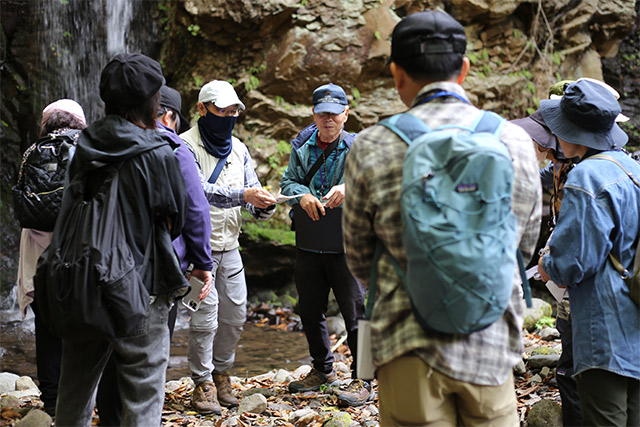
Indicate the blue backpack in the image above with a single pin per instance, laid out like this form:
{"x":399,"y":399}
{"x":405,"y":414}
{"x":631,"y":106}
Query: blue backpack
{"x":459,"y":232}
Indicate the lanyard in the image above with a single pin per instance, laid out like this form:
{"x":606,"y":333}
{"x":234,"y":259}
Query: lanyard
{"x":441,"y":94}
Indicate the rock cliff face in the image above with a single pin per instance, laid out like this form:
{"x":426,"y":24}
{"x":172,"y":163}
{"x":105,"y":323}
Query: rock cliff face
{"x":275,"y":52}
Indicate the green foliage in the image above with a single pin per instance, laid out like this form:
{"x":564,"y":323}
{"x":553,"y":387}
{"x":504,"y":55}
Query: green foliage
{"x":270,"y":231}
{"x":530,"y":86}
{"x":252,"y":84}
{"x":544,"y":351}
{"x":356,"y":92}
{"x":377,"y":35}
{"x":545,"y":321}
{"x":64,"y":1}
{"x":473,"y":57}
{"x":162,"y":7}
{"x":557,"y":58}
{"x":517,"y":33}
{"x":5,"y":124}
{"x":194,"y":29}
{"x":485,"y":54}
{"x":67,"y":34}
{"x":279,"y":101}
{"x":283,"y":147}
{"x":198,"y":81}
{"x":232,"y":82}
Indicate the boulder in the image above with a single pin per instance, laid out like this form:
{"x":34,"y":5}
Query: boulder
{"x":545,"y":413}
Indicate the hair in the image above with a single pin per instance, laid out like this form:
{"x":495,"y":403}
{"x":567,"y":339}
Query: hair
{"x":432,"y":67}
{"x":59,"y":119}
{"x":143,"y":115}
{"x":162,"y":110}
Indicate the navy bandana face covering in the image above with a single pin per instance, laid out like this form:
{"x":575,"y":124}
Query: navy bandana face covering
{"x":215,"y":132}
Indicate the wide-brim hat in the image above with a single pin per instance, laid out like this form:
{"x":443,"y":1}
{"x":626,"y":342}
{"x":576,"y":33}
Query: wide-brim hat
{"x":221,"y":93}
{"x":585,"y":115}
{"x":170,"y":98}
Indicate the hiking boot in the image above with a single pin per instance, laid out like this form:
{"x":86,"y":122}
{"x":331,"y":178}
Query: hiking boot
{"x":204,"y":399}
{"x":225,"y":395}
{"x":313,"y":381}
{"x":357,"y":393}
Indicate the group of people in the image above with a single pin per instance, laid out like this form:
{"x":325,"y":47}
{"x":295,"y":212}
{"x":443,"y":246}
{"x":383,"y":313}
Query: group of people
{"x":197,"y":180}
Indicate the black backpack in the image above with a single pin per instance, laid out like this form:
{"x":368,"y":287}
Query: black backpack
{"x":87,"y":283}
{"x":38,"y":193}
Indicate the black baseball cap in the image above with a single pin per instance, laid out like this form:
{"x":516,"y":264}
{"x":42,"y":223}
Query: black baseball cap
{"x":425,"y":33}
{"x":130,"y":79}
{"x":170,"y":98}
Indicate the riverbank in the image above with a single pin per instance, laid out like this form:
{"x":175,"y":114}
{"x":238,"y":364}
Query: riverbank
{"x":265,"y":399}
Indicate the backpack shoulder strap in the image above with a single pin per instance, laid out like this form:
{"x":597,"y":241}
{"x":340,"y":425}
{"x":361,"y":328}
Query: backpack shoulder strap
{"x":406,"y":126}
{"x":489,"y":122}
{"x":611,"y":159}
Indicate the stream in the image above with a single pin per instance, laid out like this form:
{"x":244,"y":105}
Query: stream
{"x":260,"y":350}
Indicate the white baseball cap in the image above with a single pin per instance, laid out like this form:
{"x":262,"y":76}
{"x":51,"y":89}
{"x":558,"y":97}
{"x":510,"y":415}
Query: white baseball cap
{"x":221,"y":93}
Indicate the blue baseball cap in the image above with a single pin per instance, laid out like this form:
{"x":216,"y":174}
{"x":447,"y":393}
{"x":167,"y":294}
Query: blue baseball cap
{"x":329,"y":98}
{"x":585,"y":115}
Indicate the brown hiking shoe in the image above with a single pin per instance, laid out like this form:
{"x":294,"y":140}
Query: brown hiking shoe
{"x":357,"y":393}
{"x":204,"y":399}
{"x":225,"y":394}
{"x":313,"y":381}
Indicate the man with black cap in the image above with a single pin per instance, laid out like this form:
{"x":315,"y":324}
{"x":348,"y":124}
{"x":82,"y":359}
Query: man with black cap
{"x":127,"y":138}
{"x":594,"y":241}
{"x":230,"y":182}
{"x":426,"y":377}
{"x":316,"y":174}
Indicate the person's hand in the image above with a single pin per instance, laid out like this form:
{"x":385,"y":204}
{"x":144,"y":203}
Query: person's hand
{"x":543,"y":274}
{"x":259,"y":197}
{"x":334,"y":197}
{"x":312,"y":206}
{"x":207,"y":278}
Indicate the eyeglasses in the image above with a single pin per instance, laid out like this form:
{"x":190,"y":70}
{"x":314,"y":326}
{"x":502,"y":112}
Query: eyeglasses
{"x":235,"y":110}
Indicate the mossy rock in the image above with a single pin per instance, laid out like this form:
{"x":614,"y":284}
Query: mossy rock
{"x":539,"y":310}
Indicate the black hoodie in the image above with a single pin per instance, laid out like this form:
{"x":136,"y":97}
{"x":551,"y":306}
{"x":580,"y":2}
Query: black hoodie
{"x":151,"y":191}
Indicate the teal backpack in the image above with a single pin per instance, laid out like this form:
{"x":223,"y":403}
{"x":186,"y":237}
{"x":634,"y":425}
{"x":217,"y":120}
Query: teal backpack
{"x":459,"y":232}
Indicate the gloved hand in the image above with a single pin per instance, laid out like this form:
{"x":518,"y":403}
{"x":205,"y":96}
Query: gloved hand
{"x":266,"y":213}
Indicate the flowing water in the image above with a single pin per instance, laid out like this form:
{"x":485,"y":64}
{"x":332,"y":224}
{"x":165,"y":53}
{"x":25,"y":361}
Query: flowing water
{"x":260,"y":349}
{"x":77,"y":39}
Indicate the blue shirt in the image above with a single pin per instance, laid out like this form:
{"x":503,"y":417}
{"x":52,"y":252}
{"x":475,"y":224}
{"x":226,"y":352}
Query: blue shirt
{"x":599,"y":214}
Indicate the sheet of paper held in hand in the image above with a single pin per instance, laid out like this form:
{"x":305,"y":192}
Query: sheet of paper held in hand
{"x":282,"y":198}
{"x":555,"y":290}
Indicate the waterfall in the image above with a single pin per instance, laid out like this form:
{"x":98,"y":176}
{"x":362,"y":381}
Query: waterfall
{"x":78,"y":37}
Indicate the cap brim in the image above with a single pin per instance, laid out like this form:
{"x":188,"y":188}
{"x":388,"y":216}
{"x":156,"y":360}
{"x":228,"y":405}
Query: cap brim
{"x":227,"y":102}
{"x":539,"y":133}
{"x":566,"y":130}
{"x":329,"y":107}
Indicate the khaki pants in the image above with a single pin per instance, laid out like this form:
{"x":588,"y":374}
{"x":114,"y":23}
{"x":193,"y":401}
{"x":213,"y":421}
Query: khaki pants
{"x":413,"y":394}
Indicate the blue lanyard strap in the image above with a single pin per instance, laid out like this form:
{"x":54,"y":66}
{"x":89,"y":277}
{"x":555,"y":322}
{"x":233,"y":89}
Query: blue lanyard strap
{"x":441,"y":94}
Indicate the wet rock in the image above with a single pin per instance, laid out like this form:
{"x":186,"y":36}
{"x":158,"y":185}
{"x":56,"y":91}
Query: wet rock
{"x":341,"y":367}
{"x":520,"y":369}
{"x":282,"y":376}
{"x":545,"y":413}
{"x":540,"y":309}
{"x":26,"y":383}
{"x":340,"y":419}
{"x":335,"y":325}
{"x":541,"y":360}
{"x":256,"y":404}
{"x":35,"y":418}
{"x":549,"y":334}
{"x":304,"y":417}
{"x":8,"y":381}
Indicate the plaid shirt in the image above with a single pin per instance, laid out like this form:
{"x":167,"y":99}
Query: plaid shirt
{"x":373,"y":178}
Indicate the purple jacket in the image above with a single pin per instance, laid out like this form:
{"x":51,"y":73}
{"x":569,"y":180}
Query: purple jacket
{"x":193,"y":245}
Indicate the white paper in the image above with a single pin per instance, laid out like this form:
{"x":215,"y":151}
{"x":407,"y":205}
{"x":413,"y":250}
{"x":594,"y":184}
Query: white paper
{"x":365,"y":367}
{"x":532,"y":272}
{"x":556,"y":290}
{"x":282,"y":198}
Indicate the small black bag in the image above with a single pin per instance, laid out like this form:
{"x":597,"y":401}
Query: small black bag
{"x":37,"y":195}
{"x":87,"y":284}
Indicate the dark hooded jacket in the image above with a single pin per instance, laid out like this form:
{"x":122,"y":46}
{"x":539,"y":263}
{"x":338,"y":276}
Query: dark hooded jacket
{"x":151,"y":191}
